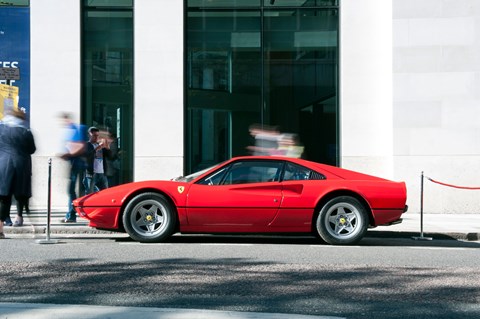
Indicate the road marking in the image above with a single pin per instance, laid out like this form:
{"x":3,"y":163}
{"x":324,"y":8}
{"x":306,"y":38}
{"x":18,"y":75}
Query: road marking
{"x":145,"y":244}
{"x":333,"y":246}
{"x":233,"y":244}
{"x":171,"y":244}
{"x":439,"y":248}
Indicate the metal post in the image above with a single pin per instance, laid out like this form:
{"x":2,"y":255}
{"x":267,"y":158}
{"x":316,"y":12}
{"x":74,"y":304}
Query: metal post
{"x":421,"y":212}
{"x":49,"y":201}
{"x":421,"y":204}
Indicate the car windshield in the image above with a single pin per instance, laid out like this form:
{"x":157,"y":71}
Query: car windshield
{"x":193,"y":176}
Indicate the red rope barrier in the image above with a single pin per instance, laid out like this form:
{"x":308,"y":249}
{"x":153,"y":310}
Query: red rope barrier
{"x":450,"y":185}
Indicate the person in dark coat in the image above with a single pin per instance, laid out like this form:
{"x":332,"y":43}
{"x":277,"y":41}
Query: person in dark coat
{"x":16,"y":146}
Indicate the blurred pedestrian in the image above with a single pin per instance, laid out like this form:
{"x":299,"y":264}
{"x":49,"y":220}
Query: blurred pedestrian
{"x":74,"y":152}
{"x":16,"y":146}
{"x":21,"y":206}
{"x":265,"y":139}
{"x":97,"y":151}
{"x":113,"y":162}
{"x":289,"y":146}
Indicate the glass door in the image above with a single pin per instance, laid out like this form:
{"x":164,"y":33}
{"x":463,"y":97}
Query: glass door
{"x":107,"y":79}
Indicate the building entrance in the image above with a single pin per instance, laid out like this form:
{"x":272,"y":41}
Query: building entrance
{"x":263,"y":64}
{"x":107,"y":80}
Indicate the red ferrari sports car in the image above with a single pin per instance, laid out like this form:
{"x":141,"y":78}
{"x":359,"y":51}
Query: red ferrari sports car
{"x":253,"y":194}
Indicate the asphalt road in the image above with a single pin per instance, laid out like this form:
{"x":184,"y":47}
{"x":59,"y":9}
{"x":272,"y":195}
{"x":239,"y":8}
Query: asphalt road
{"x":380,"y":278}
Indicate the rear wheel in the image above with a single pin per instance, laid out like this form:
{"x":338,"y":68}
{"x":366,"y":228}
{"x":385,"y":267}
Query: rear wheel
{"x":342,"y":221}
{"x":149,"y":217}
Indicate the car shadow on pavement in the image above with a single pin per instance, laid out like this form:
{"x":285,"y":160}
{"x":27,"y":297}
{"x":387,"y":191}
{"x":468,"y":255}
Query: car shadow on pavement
{"x":376,"y":239}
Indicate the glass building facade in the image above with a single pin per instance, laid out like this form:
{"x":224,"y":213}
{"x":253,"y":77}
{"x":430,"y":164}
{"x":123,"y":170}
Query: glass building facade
{"x":273,"y":64}
{"x":266,"y":63}
{"x":269,"y":64}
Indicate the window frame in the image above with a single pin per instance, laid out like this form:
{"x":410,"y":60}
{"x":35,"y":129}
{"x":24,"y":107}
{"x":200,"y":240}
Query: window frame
{"x":281,"y":166}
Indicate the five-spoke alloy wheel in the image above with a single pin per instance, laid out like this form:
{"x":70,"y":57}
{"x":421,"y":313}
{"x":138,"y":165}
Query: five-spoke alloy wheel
{"x":342,"y":221}
{"x":149,"y":217}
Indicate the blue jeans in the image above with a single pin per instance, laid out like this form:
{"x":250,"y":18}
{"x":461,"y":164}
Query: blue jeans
{"x":95,"y":183}
{"x":75,"y":172}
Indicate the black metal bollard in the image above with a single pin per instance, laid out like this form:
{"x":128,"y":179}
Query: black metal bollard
{"x":421,"y":212}
{"x":49,"y":206}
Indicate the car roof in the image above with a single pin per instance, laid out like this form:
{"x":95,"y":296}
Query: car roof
{"x":319,"y":167}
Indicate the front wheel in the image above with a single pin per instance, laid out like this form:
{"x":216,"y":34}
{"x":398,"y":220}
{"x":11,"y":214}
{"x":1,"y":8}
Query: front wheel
{"x":149,"y":217}
{"x":342,"y":221}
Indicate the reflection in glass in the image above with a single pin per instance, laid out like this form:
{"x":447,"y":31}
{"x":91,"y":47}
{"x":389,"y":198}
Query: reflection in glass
{"x":271,"y":63}
{"x":109,"y":3}
{"x":299,"y":3}
{"x":107,"y":90}
{"x":300,"y":54}
{"x":224,"y":84}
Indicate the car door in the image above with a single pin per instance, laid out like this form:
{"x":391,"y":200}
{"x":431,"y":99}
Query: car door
{"x":300,"y":191}
{"x":246,"y":196}
{"x":299,"y":188}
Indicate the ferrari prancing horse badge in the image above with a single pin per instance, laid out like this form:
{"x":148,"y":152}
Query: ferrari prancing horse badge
{"x":181,"y":189}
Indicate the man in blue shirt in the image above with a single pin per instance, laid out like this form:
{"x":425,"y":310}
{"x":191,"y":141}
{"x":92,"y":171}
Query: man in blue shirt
{"x":75,"y":152}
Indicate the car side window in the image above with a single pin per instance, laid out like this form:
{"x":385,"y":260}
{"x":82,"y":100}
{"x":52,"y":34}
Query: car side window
{"x":294,"y":172}
{"x":215,"y":178}
{"x":253,"y":172}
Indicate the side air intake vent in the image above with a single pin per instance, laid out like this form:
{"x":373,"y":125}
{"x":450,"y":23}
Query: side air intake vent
{"x":317,"y":176}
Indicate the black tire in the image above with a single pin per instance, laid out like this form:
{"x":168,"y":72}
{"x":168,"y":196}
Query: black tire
{"x":149,"y":218}
{"x":342,"y":221}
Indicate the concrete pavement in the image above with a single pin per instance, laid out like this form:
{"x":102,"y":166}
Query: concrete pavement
{"x":441,"y":226}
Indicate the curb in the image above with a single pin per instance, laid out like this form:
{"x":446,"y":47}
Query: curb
{"x":434,"y":235}
{"x":75,"y":229}
{"x":72,"y":230}
{"x":57,"y":311}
